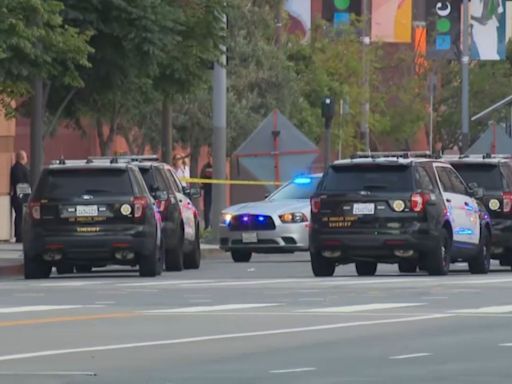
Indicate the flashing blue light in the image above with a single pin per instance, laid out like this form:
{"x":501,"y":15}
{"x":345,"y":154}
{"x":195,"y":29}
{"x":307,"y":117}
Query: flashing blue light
{"x":261,"y":219}
{"x":302,"y":180}
{"x":464,"y":231}
{"x":245,"y":218}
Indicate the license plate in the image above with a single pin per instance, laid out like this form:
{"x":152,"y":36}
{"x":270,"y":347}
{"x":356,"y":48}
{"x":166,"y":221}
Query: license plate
{"x":86,"y":210}
{"x":364,"y":209}
{"x":249,"y":237}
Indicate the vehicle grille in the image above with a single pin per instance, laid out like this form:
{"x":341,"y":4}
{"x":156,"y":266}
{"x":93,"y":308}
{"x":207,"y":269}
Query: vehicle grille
{"x":252,"y":223}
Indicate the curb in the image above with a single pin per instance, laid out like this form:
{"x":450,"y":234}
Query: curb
{"x":213,"y":253}
{"x":11,"y":270}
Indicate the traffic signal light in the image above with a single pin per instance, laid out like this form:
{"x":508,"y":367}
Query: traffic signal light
{"x":339,"y":12}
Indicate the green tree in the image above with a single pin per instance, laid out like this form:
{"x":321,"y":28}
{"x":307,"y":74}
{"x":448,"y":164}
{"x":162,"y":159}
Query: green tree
{"x":36,"y":43}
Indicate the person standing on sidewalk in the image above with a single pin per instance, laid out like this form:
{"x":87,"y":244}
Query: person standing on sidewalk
{"x":19,"y":175}
{"x":207,"y":173}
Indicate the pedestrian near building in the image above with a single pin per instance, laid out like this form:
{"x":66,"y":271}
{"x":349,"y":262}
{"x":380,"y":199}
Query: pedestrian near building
{"x":207,"y":173}
{"x":181,"y":168}
{"x":19,"y":176}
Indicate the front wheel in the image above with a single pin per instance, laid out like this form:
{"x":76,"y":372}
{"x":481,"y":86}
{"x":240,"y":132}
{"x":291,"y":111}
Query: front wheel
{"x":36,"y":269}
{"x":241,"y":256}
{"x":481,"y":263}
{"x":321,"y":266}
{"x":150,"y":265}
{"x":366,"y":268}
{"x":174,"y":256}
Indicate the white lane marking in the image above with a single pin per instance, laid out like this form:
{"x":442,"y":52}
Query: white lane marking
{"x":245,"y":282}
{"x":363,"y":282}
{"x":49,"y":373}
{"x":493,"y":309}
{"x":293,"y":370}
{"x":363,"y":307}
{"x":171,"y":282}
{"x":20,"y":356}
{"x":210,"y":308}
{"x":480,"y":281}
{"x":506,"y":345}
{"x":73,"y":283}
{"x":413,"y":355}
{"x":38,"y":308}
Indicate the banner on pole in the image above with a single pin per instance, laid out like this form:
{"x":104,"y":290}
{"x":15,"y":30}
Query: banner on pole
{"x":392,"y":21}
{"x":488,"y":29}
{"x":340,"y":12}
{"x":443,"y":29}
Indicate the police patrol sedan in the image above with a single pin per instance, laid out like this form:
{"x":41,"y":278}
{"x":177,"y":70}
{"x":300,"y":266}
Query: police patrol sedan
{"x":278,"y":224}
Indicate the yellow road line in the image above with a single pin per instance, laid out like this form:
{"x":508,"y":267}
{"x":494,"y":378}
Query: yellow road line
{"x":14,"y":323}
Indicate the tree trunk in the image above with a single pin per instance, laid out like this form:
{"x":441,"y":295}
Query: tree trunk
{"x":36,"y":131}
{"x":167,"y":144}
{"x":101,"y":137}
{"x":279,"y":22}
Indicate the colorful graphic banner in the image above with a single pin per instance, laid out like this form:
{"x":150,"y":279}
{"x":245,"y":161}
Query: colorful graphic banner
{"x":443,"y":29}
{"x":488,"y":29}
{"x":392,"y":21}
{"x":299,"y":12}
{"x":339,"y":12}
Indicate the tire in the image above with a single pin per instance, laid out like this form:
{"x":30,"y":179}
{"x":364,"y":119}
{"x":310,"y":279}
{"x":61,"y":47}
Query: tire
{"x":83,"y":268}
{"x":366,"y":268}
{"x":65,"y":268}
{"x":321,"y":266}
{"x":192,"y":259}
{"x":150,"y":264}
{"x":174,"y":257}
{"x":36,"y":269}
{"x":481,"y":263}
{"x":241,"y":256}
{"x":407,"y":266}
{"x":438,"y":262}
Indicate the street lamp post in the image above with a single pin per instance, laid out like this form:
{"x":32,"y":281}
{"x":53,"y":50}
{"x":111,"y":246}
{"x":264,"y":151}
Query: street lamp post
{"x":465,"y":77}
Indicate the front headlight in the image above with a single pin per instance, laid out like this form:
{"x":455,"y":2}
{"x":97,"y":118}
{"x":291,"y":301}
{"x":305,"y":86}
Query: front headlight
{"x":226,"y":218}
{"x":293,"y":217}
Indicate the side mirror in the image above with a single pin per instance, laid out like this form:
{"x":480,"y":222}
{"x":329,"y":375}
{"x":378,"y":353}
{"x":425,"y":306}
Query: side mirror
{"x":161,"y":195}
{"x":194,"y":192}
{"x":477,"y":193}
{"x":473,"y":185}
{"x":267,"y":195}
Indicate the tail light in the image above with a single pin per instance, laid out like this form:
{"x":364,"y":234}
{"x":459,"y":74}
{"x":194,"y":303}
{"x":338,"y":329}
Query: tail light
{"x":315,"y":204}
{"x":419,"y":201}
{"x":34,"y":208}
{"x":139,"y":205}
{"x":507,"y":202}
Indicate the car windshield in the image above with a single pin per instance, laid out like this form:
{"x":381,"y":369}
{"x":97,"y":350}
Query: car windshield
{"x":486,"y":176}
{"x":388,"y":178}
{"x":70,"y":183}
{"x":299,"y":188}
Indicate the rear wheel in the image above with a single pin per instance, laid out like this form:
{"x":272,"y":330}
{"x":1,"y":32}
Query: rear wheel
{"x":36,"y":269}
{"x":241,"y":256}
{"x":192,"y":259}
{"x":481,"y":263}
{"x":65,"y":268}
{"x":366,"y":268}
{"x":438,"y":262}
{"x":407,"y":266}
{"x":321,"y":266}
{"x":150,"y":264}
{"x":83,"y":268}
{"x":174,"y":256}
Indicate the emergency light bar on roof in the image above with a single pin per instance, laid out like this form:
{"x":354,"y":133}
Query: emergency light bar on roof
{"x":486,"y":156}
{"x":125,"y":159}
{"x":402,"y":155}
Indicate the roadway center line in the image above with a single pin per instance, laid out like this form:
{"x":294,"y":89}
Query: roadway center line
{"x":292,"y":370}
{"x":360,"y":308}
{"x":210,"y":308}
{"x":112,"y":347}
{"x":400,"y":357}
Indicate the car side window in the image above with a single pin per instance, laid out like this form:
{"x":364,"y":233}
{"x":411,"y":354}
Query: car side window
{"x":457,"y":183}
{"x":444,"y":179}
{"x":176,"y":185}
{"x":160,"y":180}
{"x":140,"y":184}
{"x":423,"y":180}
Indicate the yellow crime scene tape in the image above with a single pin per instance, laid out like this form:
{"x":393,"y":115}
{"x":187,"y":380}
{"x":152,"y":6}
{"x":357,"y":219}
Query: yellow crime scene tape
{"x":230,"y":182}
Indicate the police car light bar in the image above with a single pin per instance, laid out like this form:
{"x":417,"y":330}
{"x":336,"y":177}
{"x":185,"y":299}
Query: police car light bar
{"x":405,"y":155}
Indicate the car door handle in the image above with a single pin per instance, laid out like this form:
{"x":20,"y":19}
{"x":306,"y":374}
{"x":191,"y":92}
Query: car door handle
{"x":466,"y":204}
{"x":448,"y":200}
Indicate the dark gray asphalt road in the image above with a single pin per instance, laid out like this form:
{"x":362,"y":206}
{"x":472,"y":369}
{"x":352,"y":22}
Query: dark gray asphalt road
{"x":264,"y":322}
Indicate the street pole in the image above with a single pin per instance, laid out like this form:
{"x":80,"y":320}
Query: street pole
{"x":465,"y":77}
{"x":365,"y":113}
{"x":328,"y":111}
{"x":279,"y":22}
{"x":36,"y":132}
{"x":432,"y":87}
{"x":219,"y":139}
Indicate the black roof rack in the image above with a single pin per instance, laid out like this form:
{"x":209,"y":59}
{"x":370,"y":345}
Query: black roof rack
{"x":398,"y":155}
{"x":125,"y":158}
